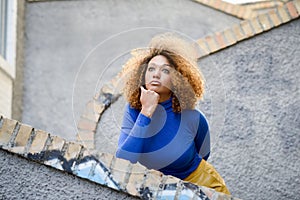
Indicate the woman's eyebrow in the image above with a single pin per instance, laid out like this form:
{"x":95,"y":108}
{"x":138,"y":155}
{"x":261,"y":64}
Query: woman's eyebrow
{"x":163,"y":65}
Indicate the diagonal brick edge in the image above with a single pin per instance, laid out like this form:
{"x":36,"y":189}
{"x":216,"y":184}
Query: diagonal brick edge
{"x":101,"y":168}
{"x":242,"y":12}
{"x":87,"y":124}
{"x":248,"y":28}
{"x":263,"y":6}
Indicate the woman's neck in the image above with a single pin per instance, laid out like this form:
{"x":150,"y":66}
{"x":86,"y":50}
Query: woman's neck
{"x":164,"y":98}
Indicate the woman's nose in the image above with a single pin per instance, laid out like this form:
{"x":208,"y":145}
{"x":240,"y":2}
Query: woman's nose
{"x":156,"y":74}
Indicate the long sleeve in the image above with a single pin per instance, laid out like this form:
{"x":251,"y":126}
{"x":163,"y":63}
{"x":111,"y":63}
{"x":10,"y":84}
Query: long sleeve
{"x":133,"y":131}
{"x":173,"y":143}
{"x":202,"y":139}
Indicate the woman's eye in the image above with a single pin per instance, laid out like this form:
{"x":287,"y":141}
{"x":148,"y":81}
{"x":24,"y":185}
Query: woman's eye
{"x":150,"y":69}
{"x":166,"y":71}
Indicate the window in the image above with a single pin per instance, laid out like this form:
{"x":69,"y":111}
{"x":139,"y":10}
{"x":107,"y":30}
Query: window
{"x":3,"y":26}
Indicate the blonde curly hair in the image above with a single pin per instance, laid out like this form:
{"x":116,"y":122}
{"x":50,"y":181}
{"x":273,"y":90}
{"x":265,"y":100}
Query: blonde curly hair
{"x":187,"y":80}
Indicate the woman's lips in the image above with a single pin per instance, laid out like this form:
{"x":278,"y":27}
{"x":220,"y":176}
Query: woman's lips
{"x":155,"y":83}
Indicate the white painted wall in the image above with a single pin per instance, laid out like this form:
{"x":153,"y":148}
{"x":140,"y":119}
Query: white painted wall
{"x":8,"y":65}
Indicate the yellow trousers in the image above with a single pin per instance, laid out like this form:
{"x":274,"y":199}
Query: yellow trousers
{"x":206,"y":175}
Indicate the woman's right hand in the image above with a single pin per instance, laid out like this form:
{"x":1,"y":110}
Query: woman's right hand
{"x":149,"y":100}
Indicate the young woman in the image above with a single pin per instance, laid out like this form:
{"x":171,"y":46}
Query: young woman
{"x":161,"y":128}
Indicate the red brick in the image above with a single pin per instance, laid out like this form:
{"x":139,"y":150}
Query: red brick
{"x":228,"y":8}
{"x":292,"y":10}
{"x":119,"y":170}
{"x":203,"y":47}
{"x":108,"y":88}
{"x":85,"y":135}
{"x":85,"y":124}
{"x":106,"y":158}
{"x":86,"y":152}
{"x":274,"y":18}
{"x":6,"y":131}
{"x":94,"y":106}
{"x":229,"y":37}
{"x":99,"y":108}
{"x":117,"y":84}
{"x":264,"y":21}
{"x":222,"y":5}
{"x":39,"y":141}
{"x":235,"y":10}
{"x":217,"y":4}
{"x":135,"y":182}
{"x":86,"y":138}
{"x":88,"y":144}
{"x":153,"y":179}
{"x":283,"y":14}
{"x":213,"y":3}
{"x":21,"y":139}
{"x":203,"y":1}
{"x":238,"y":32}
{"x":136,"y":179}
{"x":247,"y":28}
{"x":248,"y":14}
{"x":23,"y":135}
{"x":57,"y":143}
{"x":91,"y":115}
{"x":211,"y":44}
{"x":297,"y":6}
{"x":220,"y":40}
{"x":72,"y":151}
{"x":256,"y":25}
{"x":241,"y":11}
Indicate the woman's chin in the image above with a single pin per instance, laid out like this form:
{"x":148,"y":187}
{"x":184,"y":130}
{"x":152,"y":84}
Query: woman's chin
{"x":153,"y":88}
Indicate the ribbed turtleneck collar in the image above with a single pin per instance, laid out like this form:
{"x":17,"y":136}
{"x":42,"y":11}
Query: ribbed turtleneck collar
{"x":167,"y":104}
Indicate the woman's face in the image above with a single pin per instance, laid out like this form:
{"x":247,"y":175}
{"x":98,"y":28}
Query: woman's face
{"x":158,"y":76}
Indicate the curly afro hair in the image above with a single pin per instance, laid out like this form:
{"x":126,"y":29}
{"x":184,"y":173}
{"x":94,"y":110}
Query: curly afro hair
{"x":187,"y":80}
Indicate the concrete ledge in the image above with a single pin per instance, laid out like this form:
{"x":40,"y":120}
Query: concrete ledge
{"x":101,"y":168}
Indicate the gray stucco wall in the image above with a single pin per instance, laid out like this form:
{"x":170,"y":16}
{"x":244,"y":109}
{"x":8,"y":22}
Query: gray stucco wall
{"x":258,"y":150}
{"x":24,"y":179}
{"x":252,"y":103}
{"x":61,"y":35}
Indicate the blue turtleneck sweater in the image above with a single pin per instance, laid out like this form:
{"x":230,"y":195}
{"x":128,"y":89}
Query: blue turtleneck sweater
{"x":173,"y":143}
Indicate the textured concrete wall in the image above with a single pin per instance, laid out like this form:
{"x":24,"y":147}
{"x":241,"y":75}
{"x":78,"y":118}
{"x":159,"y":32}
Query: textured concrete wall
{"x":258,"y":149}
{"x":24,"y":179}
{"x":61,"y":34}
